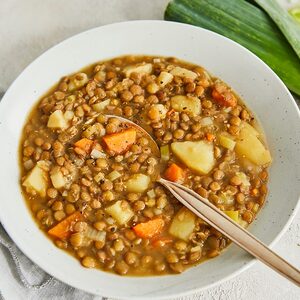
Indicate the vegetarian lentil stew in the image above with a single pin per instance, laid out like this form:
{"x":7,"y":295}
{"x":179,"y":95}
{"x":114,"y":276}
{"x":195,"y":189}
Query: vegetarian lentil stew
{"x":90,"y":179}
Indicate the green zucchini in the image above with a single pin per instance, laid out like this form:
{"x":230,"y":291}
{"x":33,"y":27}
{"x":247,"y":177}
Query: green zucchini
{"x":246,"y":24}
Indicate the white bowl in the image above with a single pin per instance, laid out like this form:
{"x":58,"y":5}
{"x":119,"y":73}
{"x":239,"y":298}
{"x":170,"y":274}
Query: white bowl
{"x":261,"y":89}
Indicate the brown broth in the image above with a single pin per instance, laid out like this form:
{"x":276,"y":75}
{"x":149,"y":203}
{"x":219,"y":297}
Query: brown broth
{"x":123,"y":251}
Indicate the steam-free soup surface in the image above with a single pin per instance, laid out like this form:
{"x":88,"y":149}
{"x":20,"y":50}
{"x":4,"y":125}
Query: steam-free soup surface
{"x":90,"y":180}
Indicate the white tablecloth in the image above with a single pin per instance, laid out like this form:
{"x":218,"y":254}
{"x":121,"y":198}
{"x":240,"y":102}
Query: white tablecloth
{"x":27,"y":28}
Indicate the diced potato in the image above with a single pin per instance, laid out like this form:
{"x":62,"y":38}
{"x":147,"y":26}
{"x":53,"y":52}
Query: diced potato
{"x":77,"y":81}
{"x":138,"y":183}
{"x":182,"y":72}
{"x":199,"y":156}
{"x":183,"y":224}
{"x":161,"y":110}
{"x":68,"y":115}
{"x":233,"y":214}
{"x":37,"y":180}
{"x":152,"y":88}
{"x":57,"y":120}
{"x":142,"y":69}
{"x":186,"y":104}
{"x":226,"y":141}
{"x":120,"y":211}
{"x":248,"y":129}
{"x":99,"y":107}
{"x":249,"y":146}
{"x":164,"y":78}
{"x":58,"y":179}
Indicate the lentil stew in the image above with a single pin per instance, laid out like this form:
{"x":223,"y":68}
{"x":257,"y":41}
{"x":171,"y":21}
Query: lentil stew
{"x":90,"y":180}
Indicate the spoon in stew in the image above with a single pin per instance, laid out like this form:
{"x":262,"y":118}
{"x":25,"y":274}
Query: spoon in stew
{"x":201,"y":207}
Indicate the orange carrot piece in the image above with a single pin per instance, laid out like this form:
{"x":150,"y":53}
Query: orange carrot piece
{"x":149,"y":229}
{"x":175,"y":173}
{"x":225,"y":98}
{"x":210,"y":137}
{"x":63,"y":229}
{"x":161,"y":241}
{"x":84,"y":144}
{"x":170,"y":112}
{"x":119,"y":142}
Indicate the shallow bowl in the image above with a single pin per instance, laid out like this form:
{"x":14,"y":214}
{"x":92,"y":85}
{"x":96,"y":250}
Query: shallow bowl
{"x":253,"y":80}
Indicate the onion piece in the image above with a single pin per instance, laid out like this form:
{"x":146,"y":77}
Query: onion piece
{"x":207,"y":121}
{"x":151,"y":194}
{"x":97,"y":154}
{"x":95,"y":235}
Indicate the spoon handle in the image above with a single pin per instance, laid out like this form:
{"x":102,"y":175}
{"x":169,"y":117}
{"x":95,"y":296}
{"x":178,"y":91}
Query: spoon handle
{"x":216,"y":218}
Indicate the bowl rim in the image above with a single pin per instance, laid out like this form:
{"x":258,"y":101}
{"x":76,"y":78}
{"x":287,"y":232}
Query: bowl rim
{"x":140,"y":22}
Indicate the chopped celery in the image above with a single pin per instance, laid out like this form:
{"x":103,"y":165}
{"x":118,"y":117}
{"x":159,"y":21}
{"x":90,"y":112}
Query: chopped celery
{"x":151,"y":194}
{"x":114,"y":175}
{"x":165,"y":152}
{"x":226,"y":141}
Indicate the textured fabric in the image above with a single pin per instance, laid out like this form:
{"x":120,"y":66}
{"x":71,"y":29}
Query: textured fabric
{"x":35,"y":282}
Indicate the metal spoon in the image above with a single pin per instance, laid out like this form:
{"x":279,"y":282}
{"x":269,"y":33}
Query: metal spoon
{"x":217,"y":219}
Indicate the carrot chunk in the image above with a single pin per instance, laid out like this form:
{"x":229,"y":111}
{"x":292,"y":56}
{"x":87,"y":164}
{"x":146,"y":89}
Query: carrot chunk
{"x":209,"y":136}
{"x":223,"y":96}
{"x":119,"y":142}
{"x":149,"y":229}
{"x":84,"y":144}
{"x":175,"y":173}
{"x":63,"y":229}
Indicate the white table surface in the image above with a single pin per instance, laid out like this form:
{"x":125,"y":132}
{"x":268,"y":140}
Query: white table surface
{"x":29,"y":27}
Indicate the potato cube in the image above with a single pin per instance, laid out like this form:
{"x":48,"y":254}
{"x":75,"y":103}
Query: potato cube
{"x":248,"y":129}
{"x":186,"y":104}
{"x":161,"y":109}
{"x":250,"y":147}
{"x":57,"y":120}
{"x":183,"y":224}
{"x":99,"y":107}
{"x":183,"y":72}
{"x":37,"y":181}
{"x":199,"y":156}
{"x":58,"y":179}
{"x":164,"y":78}
{"x":140,"y":68}
{"x":137,"y":183}
{"x":120,"y":211}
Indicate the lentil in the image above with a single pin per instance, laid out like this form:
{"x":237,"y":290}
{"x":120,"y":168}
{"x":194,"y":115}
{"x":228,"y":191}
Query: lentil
{"x":81,"y":166}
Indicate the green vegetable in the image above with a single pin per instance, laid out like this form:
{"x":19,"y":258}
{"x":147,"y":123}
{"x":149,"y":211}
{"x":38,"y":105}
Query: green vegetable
{"x":114,"y":175}
{"x":295,"y":13}
{"x":281,"y":17}
{"x":165,"y":152}
{"x":246,"y":24}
